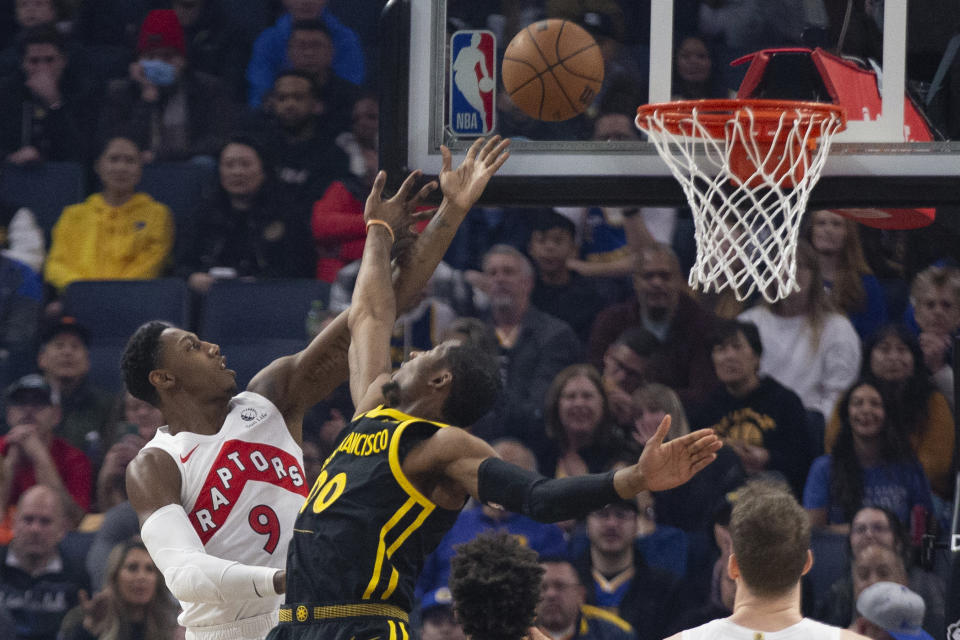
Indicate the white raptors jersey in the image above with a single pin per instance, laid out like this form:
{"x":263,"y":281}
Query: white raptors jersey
{"x":242,"y":489}
{"x":723,"y":629}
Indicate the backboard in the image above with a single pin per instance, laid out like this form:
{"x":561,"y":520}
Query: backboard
{"x":877,"y":161}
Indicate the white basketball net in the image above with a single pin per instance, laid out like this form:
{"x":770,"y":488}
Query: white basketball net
{"x":746,"y":229}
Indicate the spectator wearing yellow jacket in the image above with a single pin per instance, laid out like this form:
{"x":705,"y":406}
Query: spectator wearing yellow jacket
{"x":115,"y":234}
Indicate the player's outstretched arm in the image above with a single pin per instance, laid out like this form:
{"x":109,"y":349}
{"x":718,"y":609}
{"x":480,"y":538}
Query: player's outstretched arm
{"x":461,"y":188}
{"x":373,"y":308}
{"x":471,"y":466}
{"x":295,"y":383}
{"x":192,"y":575}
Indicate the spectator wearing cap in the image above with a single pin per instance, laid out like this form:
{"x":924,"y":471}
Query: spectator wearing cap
{"x":619,"y":580}
{"x":270,"y":51}
{"x":890,"y":611}
{"x":64,"y":361}
{"x":171,"y":111}
{"x":437,"y":619}
{"x":33,"y":455}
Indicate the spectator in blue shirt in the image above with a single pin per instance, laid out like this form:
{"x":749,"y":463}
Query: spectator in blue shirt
{"x":871,"y":464}
{"x":270,"y":49}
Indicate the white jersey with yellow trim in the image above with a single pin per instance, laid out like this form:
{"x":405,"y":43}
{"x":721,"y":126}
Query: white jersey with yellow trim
{"x":724,"y":629}
{"x":241,"y":489}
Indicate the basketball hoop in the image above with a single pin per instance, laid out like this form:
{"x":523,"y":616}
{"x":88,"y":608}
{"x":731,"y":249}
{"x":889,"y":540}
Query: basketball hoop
{"x":747,"y":168}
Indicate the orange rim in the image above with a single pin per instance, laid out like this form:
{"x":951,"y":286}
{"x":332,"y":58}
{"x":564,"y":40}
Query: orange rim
{"x":714,"y":115}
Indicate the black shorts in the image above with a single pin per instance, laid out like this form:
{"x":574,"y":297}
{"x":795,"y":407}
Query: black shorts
{"x":367,"y":628}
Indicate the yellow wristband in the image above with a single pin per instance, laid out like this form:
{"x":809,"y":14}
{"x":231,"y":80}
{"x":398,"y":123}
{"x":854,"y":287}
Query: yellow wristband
{"x":383,"y":224}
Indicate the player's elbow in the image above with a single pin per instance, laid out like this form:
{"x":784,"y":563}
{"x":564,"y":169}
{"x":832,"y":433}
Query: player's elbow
{"x":364,"y":316}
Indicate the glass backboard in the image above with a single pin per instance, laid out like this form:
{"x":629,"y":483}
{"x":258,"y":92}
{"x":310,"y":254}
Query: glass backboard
{"x":663,"y":50}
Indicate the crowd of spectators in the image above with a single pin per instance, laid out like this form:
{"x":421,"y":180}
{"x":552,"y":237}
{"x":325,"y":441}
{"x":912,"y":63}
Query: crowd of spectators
{"x":843,"y":390}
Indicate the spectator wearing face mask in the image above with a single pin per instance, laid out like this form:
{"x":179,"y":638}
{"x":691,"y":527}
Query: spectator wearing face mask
{"x":172,"y":111}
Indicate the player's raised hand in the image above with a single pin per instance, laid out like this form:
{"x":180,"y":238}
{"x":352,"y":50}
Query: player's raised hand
{"x":400,"y":211}
{"x":663,"y":465}
{"x":463,"y":186}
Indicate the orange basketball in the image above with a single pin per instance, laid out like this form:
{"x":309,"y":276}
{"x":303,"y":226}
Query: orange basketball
{"x":552,"y":70}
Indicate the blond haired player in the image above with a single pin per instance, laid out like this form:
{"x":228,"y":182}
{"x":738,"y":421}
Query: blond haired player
{"x":771,"y":551}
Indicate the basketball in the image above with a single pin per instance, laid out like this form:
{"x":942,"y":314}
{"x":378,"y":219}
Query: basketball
{"x":552,"y":70}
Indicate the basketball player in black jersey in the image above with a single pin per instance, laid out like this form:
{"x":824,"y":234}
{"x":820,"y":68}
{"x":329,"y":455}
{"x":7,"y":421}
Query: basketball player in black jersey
{"x":188,"y":380}
{"x":399,"y":475}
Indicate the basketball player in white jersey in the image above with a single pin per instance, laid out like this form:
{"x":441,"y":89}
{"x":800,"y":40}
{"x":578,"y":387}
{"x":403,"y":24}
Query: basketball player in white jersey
{"x":771,"y":551}
{"x":218,"y":488}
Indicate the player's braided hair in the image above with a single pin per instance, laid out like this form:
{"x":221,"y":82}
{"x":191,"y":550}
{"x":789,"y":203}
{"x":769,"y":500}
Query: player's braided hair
{"x":495,"y":582}
{"x":475,"y":385}
{"x":140,"y":357}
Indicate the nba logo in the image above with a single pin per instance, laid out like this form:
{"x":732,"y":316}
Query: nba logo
{"x":472,"y":82}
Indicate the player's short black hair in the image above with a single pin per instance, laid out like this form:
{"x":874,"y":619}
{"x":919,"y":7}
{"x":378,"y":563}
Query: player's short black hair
{"x":140,"y":357}
{"x":495,"y":582}
{"x":475,"y":386}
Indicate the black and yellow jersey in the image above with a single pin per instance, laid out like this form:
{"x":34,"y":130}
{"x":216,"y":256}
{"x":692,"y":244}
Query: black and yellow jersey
{"x":364,"y":531}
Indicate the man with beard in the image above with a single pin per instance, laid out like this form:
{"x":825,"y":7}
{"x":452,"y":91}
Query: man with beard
{"x":307,"y":160}
{"x":682,"y":361}
{"x":617,"y":578}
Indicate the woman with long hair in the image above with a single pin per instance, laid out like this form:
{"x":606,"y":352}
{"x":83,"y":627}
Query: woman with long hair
{"x":893,"y":362}
{"x":133,"y":605}
{"x":651,"y":403}
{"x":579,"y":426}
{"x":871,"y":464}
{"x":694,"y":74}
{"x":848,"y":280}
{"x":807,"y":346}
